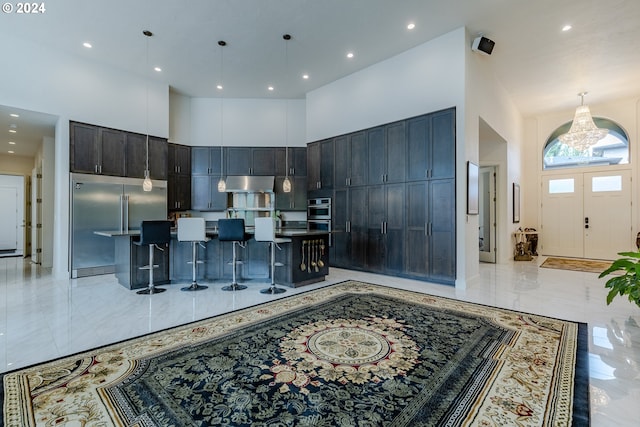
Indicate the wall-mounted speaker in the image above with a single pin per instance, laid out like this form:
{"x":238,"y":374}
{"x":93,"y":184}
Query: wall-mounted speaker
{"x":482,"y":45}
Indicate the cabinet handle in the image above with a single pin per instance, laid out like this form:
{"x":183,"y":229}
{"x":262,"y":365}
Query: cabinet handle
{"x":100,"y":167}
{"x":95,"y":168}
{"x":382,"y":227}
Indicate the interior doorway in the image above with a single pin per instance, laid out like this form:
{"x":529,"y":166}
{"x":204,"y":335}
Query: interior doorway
{"x":587,"y":215}
{"x":487,"y":214}
{"x":12,"y":215}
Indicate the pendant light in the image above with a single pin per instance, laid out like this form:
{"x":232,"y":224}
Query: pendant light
{"x":222,"y":185}
{"x":286,"y":184}
{"x":147,"y":184}
{"x":583,"y":133}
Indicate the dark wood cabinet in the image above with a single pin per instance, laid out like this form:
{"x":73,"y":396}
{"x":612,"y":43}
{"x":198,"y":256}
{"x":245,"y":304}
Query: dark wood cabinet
{"x":293,"y":159}
{"x":263,"y":161}
{"x":136,"y":156}
{"x":296,"y":200}
{"x":398,"y":216}
{"x":320,"y":160}
{"x":105,"y":151}
{"x":179,"y":179}
{"x":205,"y":195}
{"x":387,"y":153}
{"x":431,"y":146}
{"x":96,"y":150}
{"x":430,"y":233}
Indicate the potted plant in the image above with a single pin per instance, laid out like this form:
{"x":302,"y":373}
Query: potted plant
{"x":626,"y":283}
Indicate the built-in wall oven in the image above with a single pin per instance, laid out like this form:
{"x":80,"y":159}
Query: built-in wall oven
{"x":319,"y":215}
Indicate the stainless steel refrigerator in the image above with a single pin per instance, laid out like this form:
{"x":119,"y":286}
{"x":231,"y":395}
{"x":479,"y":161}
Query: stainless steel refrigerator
{"x":103,"y":203}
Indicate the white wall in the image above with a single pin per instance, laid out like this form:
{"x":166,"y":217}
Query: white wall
{"x":486,"y":98}
{"x":247,"y":122}
{"x":427,"y":78}
{"x":74,"y":88}
{"x":179,"y":118}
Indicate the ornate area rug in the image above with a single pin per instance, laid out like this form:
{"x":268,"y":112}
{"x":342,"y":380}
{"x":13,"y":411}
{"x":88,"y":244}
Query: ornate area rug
{"x":351,"y":354}
{"x":576,"y":264}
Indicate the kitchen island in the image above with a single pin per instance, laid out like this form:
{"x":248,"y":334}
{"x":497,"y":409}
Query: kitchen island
{"x":304,"y":260}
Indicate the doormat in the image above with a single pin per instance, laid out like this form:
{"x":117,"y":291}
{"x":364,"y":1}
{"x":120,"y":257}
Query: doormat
{"x":347,"y":354}
{"x":576,"y":264}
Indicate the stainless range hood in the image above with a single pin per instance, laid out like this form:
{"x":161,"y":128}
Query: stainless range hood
{"x":249,"y":184}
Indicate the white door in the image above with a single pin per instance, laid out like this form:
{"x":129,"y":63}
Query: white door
{"x":562,"y":233}
{"x":9,"y":219}
{"x":487,"y":213}
{"x":607,"y":214}
{"x":586,"y":215}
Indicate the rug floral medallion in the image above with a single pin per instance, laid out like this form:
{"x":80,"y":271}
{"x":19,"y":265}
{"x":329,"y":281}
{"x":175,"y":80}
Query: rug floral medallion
{"x":352,"y":354}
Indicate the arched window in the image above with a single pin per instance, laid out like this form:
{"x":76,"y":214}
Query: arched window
{"x":610,"y":150}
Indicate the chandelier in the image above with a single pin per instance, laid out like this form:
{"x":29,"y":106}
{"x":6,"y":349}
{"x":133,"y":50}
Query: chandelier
{"x":583,"y":133}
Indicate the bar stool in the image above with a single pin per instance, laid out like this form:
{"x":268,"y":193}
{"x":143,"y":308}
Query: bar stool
{"x":266,"y":232}
{"x":153,"y":234}
{"x":232,"y":230}
{"x":193,"y":230}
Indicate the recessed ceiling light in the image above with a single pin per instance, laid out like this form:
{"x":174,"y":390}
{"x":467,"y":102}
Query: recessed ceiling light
{"x":14,"y":115}
{"x":350,"y":55}
{"x":12,"y":143}
{"x":270,"y":88}
{"x":87,"y":45}
{"x":219,"y":87}
{"x":12,"y":131}
{"x":411,"y":26}
{"x":305,"y":76}
{"x":11,"y":152}
{"x":158,"y":69}
{"x":566,"y":27}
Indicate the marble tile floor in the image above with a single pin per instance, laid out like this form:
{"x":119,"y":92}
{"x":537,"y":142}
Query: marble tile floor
{"x":42,"y":318}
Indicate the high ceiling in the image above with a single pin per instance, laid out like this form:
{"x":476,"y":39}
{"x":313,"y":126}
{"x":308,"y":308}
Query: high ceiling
{"x":540,"y":66}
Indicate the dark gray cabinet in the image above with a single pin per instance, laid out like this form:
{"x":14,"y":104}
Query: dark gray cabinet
{"x":293,"y":159}
{"x":387,"y":153}
{"x":96,"y":150}
{"x":250,"y":161}
{"x":206,"y":160}
{"x":350,"y":165}
{"x":205,"y":195}
{"x":179,"y":179}
{"x":431,"y":146}
{"x":320,"y":160}
{"x":296,"y":200}
{"x":136,"y":156}
{"x":399,"y":216}
{"x":430,"y":233}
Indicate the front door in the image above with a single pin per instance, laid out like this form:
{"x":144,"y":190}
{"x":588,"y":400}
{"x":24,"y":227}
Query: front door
{"x":586,"y":215}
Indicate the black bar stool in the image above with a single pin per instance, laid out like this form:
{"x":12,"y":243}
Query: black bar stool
{"x":193,"y":230}
{"x":266,"y":232}
{"x":153,"y":234}
{"x":232,"y":230}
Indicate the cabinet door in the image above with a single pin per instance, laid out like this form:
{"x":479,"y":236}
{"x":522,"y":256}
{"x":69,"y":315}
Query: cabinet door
{"x":417,"y":227}
{"x":443,"y":144}
{"x":376,"y":155}
{"x":326,"y":164}
{"x":313,"y":166}
{"x":299,"y":161}
{"x":358,"y":159}
{"x":339,"y":253}
{"x":112,"y":152}
{"x":181,"y":191}
{"x":263,"y":161}
{"x":158,"y":158}
{"x":396,"y":152}
{"x":182,"y":161}
{"x":376,"y":215}
{"x":342,"y":163}
{"x":284,"y":201}
{"x":136,"y":155}
{"x":394,"y":229}
{"x":418,"y":130}
{"x":300,"y":193}
{"x":442,"y":261}
{"x":238,"y":160}
{"x":200,"y":192}
{"x":84,"y":148}
{"x":358,"y":230}
{"x":200,"y":160}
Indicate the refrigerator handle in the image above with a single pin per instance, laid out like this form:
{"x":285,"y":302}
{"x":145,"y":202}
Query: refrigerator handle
{"x":126,"y":212}
{"x":121,"y":213}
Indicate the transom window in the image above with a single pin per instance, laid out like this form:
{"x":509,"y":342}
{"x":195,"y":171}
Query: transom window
{"x":610,"y":150}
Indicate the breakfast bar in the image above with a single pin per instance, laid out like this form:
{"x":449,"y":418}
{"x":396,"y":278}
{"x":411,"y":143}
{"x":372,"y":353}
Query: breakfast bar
{"x":304,"y":260}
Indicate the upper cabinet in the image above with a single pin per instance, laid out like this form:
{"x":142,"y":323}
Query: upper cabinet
{"x":104,"y":151}
{"x":179,"y":159}
{"x":387,"y":153}
{"x":320,"y":161}
{"x":179,"y":179}
{"x":431,"y":146}
{"x":293,"y":159}
{"x":206,"y":160}
{"x":350,"y":164}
